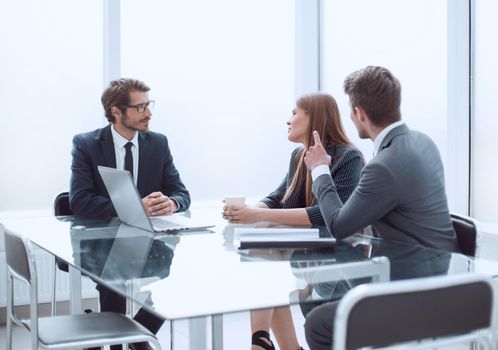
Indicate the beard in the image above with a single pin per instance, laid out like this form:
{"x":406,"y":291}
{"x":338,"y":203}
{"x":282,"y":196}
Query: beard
{"x":139,"y":125}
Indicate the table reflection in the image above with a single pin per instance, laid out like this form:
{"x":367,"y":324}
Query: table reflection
{"x":125,"y":258}
{"x":405,"y":262}
{"x":166,"y":273}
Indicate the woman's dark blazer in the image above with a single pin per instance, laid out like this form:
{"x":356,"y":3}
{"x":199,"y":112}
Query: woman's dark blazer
{"x":345,"y":168}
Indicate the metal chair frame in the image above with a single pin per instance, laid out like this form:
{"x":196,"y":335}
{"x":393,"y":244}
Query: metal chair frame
{"x":484,"y":337}
{"x":130,"y":335}
{"x":57,"y":212}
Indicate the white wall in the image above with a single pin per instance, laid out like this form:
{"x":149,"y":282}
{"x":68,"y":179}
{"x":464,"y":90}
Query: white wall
{"x":426,"y":45}
{"x":50,"y":82}
{"x":223,"y":78}
{"x":222,"y":75}
{"x":408,"y":38}
{"x":485,"y":107}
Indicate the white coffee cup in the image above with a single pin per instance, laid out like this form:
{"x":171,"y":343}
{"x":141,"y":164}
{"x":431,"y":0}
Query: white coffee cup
{"x":235,"y":201}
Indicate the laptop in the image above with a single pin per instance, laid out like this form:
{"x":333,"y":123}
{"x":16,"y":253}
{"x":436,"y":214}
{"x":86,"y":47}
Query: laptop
{"x":128,"y":204}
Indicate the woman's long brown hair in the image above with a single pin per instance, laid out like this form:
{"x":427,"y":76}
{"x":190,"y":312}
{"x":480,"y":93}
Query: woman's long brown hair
{"x":325,"y":118}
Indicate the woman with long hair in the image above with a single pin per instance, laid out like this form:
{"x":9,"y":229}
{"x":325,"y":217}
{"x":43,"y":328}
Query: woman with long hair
{"x":293,"y":202}
{"x":293,"y":198}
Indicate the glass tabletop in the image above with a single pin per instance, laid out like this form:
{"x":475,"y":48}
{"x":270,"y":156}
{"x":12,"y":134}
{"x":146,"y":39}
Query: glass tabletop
{"x":196,"y":273}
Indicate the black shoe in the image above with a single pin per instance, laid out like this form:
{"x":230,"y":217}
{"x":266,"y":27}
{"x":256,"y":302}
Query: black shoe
{"x":262,"y":339}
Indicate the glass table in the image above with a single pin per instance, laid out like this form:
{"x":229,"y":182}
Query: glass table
{"x":201,"y":273}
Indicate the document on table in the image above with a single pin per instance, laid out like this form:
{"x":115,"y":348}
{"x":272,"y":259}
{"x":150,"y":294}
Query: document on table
{"x":246,"y":238}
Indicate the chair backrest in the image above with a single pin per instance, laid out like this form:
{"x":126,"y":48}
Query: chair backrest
{"x":466,"y":232}
{"x":382,"y":314}
{"x":21,"y":266}
{"x":17,"y":256}
{"x":61,"y":205}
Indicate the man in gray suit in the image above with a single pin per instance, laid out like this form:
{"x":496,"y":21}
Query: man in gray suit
{"x":401,"y":190}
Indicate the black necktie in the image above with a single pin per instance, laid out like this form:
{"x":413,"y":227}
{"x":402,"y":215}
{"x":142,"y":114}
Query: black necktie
{"x":128,"y":165}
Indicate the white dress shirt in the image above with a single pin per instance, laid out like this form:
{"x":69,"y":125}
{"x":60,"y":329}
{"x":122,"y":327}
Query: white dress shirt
{"x":324,"y":168}
{"x":120,"y":151}
{"x":380,"y":137}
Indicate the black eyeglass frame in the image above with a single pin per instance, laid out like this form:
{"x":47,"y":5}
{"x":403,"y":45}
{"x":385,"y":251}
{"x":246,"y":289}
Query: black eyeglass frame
{"x":141,"y":107}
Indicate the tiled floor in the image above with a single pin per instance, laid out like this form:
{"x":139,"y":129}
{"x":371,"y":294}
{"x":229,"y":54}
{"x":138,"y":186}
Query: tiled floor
{"x":236,"y":326}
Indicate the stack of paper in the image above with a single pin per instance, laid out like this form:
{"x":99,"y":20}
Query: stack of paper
{"x":246,"y":238}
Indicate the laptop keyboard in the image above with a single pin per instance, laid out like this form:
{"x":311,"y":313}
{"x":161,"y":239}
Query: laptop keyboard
{"x":164,"y":225}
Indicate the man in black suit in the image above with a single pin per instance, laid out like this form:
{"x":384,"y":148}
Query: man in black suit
{"x":126,"y":143}
{"x":128,"y":110}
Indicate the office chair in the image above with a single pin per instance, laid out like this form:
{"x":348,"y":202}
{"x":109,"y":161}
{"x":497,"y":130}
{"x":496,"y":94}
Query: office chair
{"x":61,"y":208}
{"x":68,"y":331}
{"x":467,"y":233}
{"x":418,"y":313}
{"x":61,"y":205}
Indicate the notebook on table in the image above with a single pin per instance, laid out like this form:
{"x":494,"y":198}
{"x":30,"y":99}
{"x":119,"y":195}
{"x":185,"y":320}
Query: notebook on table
{"x":128,"y":204}
{"x":249,"y":238}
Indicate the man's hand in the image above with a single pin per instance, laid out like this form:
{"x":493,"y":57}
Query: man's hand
{"x":316,"y":154}
{"x":157,"y":204}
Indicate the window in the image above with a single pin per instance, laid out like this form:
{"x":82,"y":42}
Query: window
{"x":51,"y":80}
{"x":410,"y":38}
{"x":222,"y":75}
{"x":485,"y":123}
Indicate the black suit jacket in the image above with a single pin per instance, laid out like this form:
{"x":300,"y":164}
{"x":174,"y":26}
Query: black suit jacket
{"x":88,"y":196}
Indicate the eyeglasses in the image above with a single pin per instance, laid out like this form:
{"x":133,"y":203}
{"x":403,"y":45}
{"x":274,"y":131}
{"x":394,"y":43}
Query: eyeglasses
{"x":142,"y":106}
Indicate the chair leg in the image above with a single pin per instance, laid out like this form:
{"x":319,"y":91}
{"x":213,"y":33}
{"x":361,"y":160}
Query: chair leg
{"x":54,"y":288}
{"x":34,"y":341}
{"x":8,"y":336}
{"x":129,"y":301}
{"x":171,"y":335}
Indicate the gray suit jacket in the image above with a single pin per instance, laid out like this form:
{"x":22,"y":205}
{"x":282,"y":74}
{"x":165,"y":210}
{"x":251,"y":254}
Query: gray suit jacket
{"x":401,"y":193}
